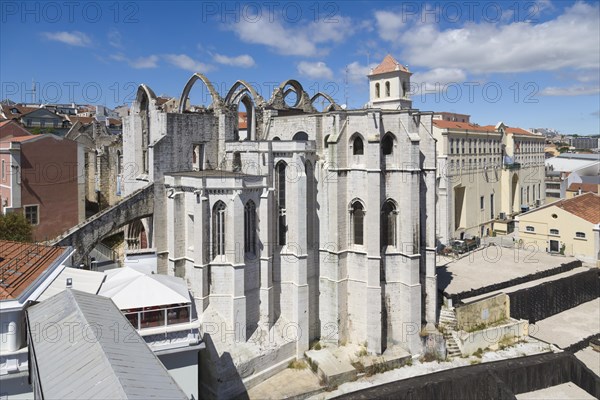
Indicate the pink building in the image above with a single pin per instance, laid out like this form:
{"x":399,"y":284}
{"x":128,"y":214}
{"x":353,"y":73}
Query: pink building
{"x":42,"y":177}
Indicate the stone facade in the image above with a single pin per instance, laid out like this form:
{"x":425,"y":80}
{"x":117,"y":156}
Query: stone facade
{"x":486,"y":176}
{"x":103,"y":164}
{"x":313,"y":226}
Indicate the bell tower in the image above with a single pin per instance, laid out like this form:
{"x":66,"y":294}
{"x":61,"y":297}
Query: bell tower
{"x":389,"y":85}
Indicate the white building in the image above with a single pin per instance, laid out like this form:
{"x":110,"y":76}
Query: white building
{"x":312,"y":226}
{"x":486,"y":176}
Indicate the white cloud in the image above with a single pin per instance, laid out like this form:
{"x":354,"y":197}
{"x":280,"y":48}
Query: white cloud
{"x":243,"y":61}
{"x":74,"y":38}
{"x":315,"y":70}
{"x":570,"y":91}
{"x":187,"y":63}
{"x":114,"y":38}
{"x":150,"y":61}
{"x":389,"y":25}
{"x":569,"y":40}
{"x":436,"y":78}
{"x":301,"y":40}
{"x":357,"y":73}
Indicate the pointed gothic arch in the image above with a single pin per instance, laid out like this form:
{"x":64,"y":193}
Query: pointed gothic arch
{"x":217,"y":101}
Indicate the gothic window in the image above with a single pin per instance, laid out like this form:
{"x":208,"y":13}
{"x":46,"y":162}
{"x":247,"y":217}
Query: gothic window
{"x":250,"y":227}
{"x":388,"y":224}
{"x":325,"y":142}
{"x":387,"y":89}
{"x":377,"y":90}
{"x":357,"y":216}
{"x":218,"y":231}
{"x":358,"y":146}
{"x":280,"y":193}
{"x":387,"y":145}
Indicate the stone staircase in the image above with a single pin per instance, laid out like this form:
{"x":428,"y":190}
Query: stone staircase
{"x":449,"y":324}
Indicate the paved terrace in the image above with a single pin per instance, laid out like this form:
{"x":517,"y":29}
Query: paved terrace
{"x":492,"y":265}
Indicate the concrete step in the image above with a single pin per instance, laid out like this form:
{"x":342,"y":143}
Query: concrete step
{"x":331,"y":369}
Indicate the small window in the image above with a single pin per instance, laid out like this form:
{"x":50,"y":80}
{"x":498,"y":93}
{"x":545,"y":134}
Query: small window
{"x":3,"y":169}
{"x":554,"y":216}
{"x":387,"y":145}
{"x":580,"y":235}
{"x":387,"y":89}
{"x":358,"y":147}
{"x":481,"y":202}
{"x":377,"y":90}
{"x":554,"y":231}
{"x":32,"y":214}
{"x":357,"y":215}
{"x":530,"y":229}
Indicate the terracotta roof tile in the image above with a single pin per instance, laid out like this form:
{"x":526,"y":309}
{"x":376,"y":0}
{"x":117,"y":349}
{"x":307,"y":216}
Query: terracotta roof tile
{"x":585,"y":187}
{"x":388,"y":64}
{"x":516,"y":131}
{"x":83,"y":120}
{"x":21,"y":264}
{"x":462,"y":125}
{"x":585,"y":206}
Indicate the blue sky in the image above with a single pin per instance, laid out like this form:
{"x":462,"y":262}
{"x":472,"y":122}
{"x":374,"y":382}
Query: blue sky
{"x":529,"y":64}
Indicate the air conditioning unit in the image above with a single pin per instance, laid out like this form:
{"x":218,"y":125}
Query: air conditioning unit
{"x":502,"y":215}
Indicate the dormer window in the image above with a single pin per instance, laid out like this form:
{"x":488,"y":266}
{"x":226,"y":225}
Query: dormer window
{"x":14,"y":111}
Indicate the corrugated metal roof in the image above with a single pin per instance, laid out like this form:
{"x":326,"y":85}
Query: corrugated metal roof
{"x":97,"y":355}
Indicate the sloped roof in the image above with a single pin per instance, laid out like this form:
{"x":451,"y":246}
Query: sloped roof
{"x":101,"y":357}
{"x":21,"y":264}
{"x":130,"y":289}
{"x":585,"y":206}
{"x":462,"y":126}
{"x":11,"y":128}
{"x":388,"y":64}
{"x":585,"y":187}
{"x":82,"y":280}
{"x":514,"y":131}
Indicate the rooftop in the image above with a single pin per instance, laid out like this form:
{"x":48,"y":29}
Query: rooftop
{"x":22,"y":263}
{"x":110,"y":361}
{"x":388,"y":64}
{"x":585,"y":187}
{"x":585,"y":206}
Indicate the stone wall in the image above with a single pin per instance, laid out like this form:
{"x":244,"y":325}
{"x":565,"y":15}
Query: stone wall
{"x":483,"y":312}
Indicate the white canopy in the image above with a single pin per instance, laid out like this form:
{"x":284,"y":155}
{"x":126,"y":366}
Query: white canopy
{"x":83,"y":280}
{"x":130,"y":289}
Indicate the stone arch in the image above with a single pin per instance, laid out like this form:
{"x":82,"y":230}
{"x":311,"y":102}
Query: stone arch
{"x":238,"y":89}
{"x":300,"y":136}
{"x":250,"y":107}
{"x":332,"y":104}
{"x":356,"y":139}
{"x":357,"y":212}
{"x":144,"y":98}
{"x":136,"y":236}
{"x":388,"y":142}
{"x":217,"y":101}
{"x":302,"y":99}
{"x":388,"y":226}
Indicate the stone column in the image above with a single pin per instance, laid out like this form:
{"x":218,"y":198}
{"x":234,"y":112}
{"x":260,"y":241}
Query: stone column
{"x":372,"y":243}
{"x":294,"y":279}
{"x":265,"y":236}
{"x":234,"y":250}
{"x":201,"y":251}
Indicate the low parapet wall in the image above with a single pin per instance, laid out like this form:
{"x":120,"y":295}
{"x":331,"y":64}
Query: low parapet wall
{"x":483,"y":312}
{"x":494,"y":380}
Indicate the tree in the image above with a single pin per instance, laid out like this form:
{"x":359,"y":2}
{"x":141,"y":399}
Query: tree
{"x":14,"y":226}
